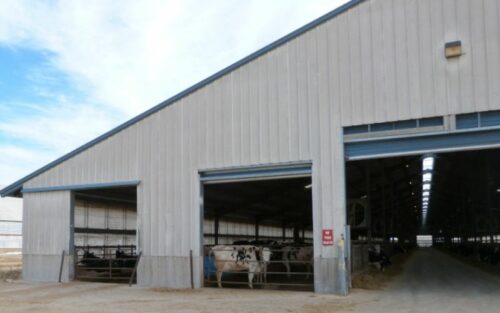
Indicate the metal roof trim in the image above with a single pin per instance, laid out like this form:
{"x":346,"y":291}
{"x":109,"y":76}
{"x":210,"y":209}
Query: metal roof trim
{"x":82,"y":186}
{"x":17,"y":186}
{"x":261,"y":173}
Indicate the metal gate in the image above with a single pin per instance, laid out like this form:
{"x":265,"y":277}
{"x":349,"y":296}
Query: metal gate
{"x":106,"y":263}
{"x":287,"y":268}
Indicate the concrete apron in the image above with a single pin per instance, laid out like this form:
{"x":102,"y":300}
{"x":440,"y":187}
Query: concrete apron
{"x":169,"y":272}
{"x":330,"y":274}
{"x":45,"y":268}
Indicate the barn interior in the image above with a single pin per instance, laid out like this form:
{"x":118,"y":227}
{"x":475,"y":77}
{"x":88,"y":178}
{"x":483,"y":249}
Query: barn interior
{"x":272,"y":213}
{"x":448,"y":201}
{"x":105,"y":234}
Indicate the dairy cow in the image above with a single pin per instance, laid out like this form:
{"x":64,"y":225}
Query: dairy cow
{"x":378,"y":258}
{"x":297,"y":255}
{"x":239,"y":258}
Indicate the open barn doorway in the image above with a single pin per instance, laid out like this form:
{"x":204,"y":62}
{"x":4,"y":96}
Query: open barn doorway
{"x":105,"y":234}
{"x":435,"y":205}
{"x":257,"y":232}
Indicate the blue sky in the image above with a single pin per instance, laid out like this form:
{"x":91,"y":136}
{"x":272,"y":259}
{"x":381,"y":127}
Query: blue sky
{"x":29,"y":84}
{"x":71,"y":70}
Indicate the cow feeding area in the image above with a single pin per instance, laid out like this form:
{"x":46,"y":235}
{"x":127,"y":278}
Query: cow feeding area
{"x":104,"y":240}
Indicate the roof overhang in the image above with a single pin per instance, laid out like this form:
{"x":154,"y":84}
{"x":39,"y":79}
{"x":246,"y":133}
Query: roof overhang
{"x":13,"y":190}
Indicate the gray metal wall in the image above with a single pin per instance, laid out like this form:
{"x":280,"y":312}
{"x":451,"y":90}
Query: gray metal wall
{"x":99,"y":215}
{"x":382,"y":60}
{"x":231,"y":231}
{"x":46,"y":233}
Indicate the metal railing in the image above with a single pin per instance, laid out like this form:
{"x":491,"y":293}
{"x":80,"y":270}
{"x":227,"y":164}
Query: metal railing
{"x":6,"y":231}
{"x":106,"y":251}
{"x":104,"y":265}
{"x":275,"y":275}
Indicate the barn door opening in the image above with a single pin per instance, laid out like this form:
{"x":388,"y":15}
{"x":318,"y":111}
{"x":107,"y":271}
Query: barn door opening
{"x":105,"y":234}
{"x":428,"y":208}
{"x":257,"y":228}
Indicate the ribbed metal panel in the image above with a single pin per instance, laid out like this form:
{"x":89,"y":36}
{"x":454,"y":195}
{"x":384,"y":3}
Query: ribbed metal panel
{"x":100,"y":216}
{"x":46,"y":223}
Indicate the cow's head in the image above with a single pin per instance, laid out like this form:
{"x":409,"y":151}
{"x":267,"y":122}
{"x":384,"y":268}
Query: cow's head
{"x":244,"y":253}
{"x":266,"y":254}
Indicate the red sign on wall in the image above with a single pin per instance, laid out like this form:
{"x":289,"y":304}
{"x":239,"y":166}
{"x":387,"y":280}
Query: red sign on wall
{"x":327,"y":237}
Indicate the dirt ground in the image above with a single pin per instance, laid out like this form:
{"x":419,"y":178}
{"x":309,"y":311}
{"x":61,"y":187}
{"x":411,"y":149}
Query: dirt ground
{"x":373,"y":279}
{"x":101,"y":297}
{"x":10,"y":264}
{"x":431,"y":281}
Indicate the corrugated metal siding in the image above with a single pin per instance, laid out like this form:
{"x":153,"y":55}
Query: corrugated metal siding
{"x":393,"y":59}
{"x":381,"y":61}
{"x":46,"y":219}
{"x":238,"y":231}
{"x":90,"y":214}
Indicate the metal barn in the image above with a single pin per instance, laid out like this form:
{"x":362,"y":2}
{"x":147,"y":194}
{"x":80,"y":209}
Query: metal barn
{"x":373,"y":79}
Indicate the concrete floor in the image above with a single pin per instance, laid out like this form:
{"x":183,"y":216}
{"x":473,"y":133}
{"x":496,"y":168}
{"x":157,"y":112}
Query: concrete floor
{"x":432,"y":281}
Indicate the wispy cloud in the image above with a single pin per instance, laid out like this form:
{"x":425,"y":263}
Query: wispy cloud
{"x":119,"y":58}
{"x":59,"y":127}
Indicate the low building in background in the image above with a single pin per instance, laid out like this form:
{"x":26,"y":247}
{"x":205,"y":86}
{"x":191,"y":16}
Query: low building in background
{"x":11,"y":214}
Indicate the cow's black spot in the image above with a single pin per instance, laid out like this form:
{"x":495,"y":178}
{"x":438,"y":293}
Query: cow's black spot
{"x":258,"y":255}
{"x":240,"y":256}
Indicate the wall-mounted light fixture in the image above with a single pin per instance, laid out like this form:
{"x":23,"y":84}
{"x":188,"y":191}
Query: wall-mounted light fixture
{"x":453,"y":49}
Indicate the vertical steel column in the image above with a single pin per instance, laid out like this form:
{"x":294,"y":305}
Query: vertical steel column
{"x":257,"y":229}
{"x":71,"y":250}
{"x":384,"y":205}
{"x":392,"y":209}
{"x":368,"y":201}
{"x":216,"y":229}
{"x":490,"y":184}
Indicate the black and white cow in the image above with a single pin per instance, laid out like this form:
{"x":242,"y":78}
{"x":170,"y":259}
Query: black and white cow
{"x":239,"y":258}
{"x":298,"y":255}
{"x":378,"y":258}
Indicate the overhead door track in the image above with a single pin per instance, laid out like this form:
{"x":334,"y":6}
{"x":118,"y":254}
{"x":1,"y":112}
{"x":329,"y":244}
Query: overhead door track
{"x":255,"y":173}
{"x":418,"y":144}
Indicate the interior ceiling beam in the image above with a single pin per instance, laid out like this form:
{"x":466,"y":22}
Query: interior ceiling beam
{"x":277,"y":203}
{"x":252,"y":213}
{"x":93,"y":197}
